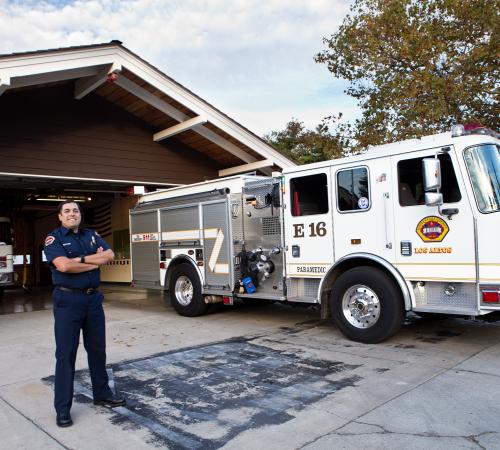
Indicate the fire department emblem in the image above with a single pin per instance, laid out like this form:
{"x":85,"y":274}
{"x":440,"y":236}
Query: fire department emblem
{"x":432,"y":229}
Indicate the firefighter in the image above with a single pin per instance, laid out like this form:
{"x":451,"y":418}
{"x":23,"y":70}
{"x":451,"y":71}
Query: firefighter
{"x":74,"y":255}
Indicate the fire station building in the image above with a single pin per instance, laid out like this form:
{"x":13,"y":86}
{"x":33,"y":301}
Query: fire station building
{"x":98,"y":124}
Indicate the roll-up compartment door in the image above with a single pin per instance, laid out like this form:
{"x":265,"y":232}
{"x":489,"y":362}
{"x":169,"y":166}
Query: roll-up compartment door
{"x":216,"y":238}
{"x":145,"y":248}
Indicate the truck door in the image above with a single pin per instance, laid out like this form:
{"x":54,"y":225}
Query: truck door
{"x":362,"y":217}
{"x":483,"y":167}
{"x":308,"y":224}
{"x":437,"y":250}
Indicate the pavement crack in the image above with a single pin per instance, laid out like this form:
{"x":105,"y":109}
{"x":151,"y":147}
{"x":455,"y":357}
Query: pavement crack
{"x":34,"y":423}
{"x":476,"y":372}
{"x":474,"y":439}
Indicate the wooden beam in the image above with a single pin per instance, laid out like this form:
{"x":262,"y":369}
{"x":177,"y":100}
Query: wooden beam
{"x":245,"y":168}
{"x":225,"y":144}
{"x":85,"y":86}
{"x":173,"y":112}
{"x":179,"y":128}
{"x":151,"y":99}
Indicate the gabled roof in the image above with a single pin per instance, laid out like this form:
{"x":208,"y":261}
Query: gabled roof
{"x":123,"y":78}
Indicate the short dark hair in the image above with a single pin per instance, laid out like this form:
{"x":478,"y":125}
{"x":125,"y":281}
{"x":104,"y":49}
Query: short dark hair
{"x":65,"y":202}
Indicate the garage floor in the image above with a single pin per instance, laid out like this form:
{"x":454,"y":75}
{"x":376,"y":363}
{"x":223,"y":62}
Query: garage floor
{"x":17,"y":300}
{"x":254,"y":377}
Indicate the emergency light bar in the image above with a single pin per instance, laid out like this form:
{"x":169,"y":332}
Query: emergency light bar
{"x":471,"y":128}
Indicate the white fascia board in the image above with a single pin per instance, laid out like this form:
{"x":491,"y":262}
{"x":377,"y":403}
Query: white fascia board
{"x":179,"y":128}
{"x":246,"y":168}
{"x":42,"y":78}
{"x":43,"y":68}
{"x":84,"y":86}
{"x":168,"y":109}
{"x":19,"y":66}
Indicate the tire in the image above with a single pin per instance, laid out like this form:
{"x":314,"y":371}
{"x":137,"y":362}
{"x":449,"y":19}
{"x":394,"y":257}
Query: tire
{"x":367,"y":305}
{"x":185,"y":291}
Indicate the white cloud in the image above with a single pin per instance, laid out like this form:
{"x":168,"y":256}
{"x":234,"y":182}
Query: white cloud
{"x":239,"y":55}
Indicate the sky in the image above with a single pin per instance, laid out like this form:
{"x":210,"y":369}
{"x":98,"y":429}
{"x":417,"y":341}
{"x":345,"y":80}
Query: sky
{"x":253,"y":60}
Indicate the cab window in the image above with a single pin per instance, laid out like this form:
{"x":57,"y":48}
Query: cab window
{"x":411,"y":181}
{"x":309,"y":195}
{"x":352,"y":190}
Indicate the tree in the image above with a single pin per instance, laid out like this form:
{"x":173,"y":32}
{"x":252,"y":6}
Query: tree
{"x":417,"y":66}
{"x":305,"y":146}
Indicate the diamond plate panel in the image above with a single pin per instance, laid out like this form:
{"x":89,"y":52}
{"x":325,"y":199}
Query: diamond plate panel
{"x":433,"y":293}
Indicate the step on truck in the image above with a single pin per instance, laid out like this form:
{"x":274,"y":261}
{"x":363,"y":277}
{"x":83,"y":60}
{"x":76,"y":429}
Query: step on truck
{"x":409,"y":226}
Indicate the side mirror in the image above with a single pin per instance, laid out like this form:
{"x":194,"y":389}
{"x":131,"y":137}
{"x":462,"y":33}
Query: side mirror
{"x":431,"y":169}
{"x":433,"y":198}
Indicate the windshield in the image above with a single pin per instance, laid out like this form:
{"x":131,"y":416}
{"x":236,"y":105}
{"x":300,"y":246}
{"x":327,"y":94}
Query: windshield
{"x":483,"y":163}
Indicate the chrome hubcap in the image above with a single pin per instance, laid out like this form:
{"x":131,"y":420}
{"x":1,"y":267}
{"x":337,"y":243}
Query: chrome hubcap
{"x":184,"y":290}
{"x":361,"y":306}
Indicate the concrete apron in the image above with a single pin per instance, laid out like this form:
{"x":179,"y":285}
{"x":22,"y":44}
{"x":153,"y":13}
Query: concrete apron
{"x":271,"y":377}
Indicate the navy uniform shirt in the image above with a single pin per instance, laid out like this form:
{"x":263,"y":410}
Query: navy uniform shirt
{"x":64,"y":242}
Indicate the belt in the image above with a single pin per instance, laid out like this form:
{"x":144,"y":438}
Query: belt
{"x":79,"y":290}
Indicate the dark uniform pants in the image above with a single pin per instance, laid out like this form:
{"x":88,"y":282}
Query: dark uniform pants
{"x":75,"y":311}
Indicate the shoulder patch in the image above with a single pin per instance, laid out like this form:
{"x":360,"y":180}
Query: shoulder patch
{"x":49,"y":240}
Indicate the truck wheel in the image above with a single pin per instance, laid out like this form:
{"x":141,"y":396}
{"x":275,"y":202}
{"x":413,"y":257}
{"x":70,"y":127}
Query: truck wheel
{"x":366,"y":305}
{"x":185,"y":291}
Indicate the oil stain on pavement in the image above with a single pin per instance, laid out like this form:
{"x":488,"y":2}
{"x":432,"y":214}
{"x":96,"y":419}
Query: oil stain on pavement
{"x":202,"y":397}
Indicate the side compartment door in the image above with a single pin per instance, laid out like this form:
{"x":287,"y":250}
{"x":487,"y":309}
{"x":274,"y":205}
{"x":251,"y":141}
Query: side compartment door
{"x":308,"y":224}
{"x":145,"y":248}
{"x":180,"y":235}
{"x":217,"y":260}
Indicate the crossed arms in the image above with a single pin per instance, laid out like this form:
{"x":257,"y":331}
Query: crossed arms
{"x":92,"y":262}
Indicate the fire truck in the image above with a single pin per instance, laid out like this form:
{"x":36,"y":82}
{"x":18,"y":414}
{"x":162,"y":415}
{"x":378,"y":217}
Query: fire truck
{"x":408,"y":226}
{"x":6,"y":255}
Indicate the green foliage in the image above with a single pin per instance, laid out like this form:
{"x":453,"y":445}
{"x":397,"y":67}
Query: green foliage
{"x":417,"y":66}
{"x":306,"y":146}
